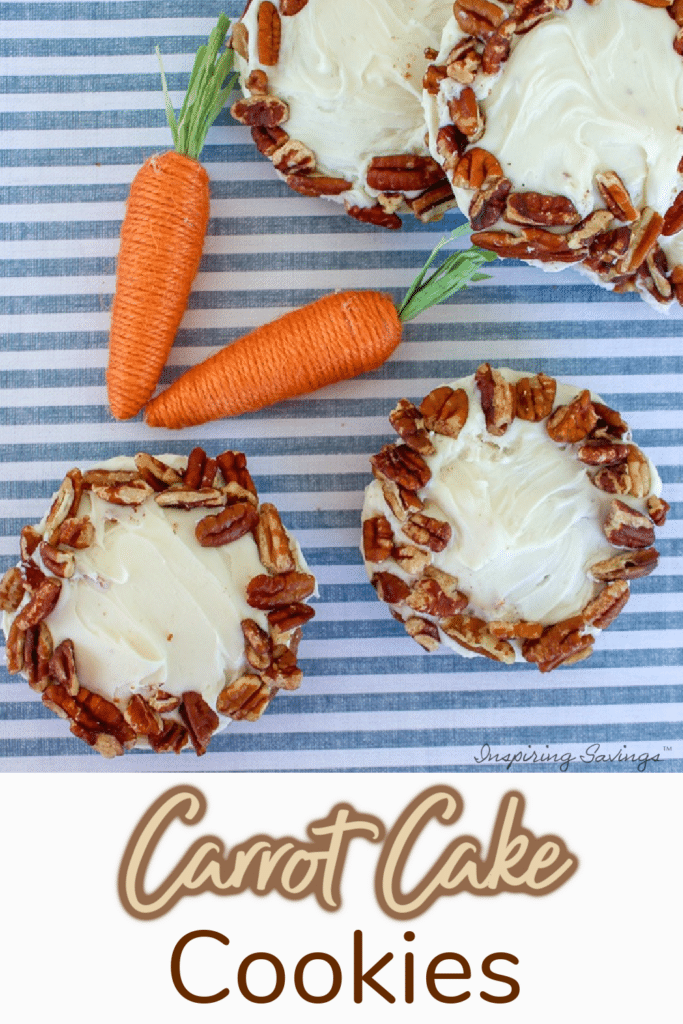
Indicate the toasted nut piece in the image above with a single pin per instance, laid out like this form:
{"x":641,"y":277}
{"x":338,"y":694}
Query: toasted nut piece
{"x":497,"y":47}
{"x":609,"y":424}
{"x":630,"y":477}
{"x":133,"y":493}
{"x":628,"y":565}
{"x":408,"y":422}
{"x":38,"y":651}
{"x":429,"y":598}
{"x":390,"y":588}
{"x":658,"y":509}
{"x":401,"y":501}
{"x":182,"y":496}
{"x":426,"y":633}
{"x":283,"y":620}
{"x":473,"y":634}
{"x":411,"y":559}
{"x":257,"y":82}
{"x":273,"y":543}
{"x":521,"y":630}
{"x":171,"y":740}
{"x":108,"y":477}
{"x":602,"y":453}
{"x":229,"y":525}
{"x":427,"y":532}
{"x":559,"y":644}
{"x":644,"y":235}
{"x":233,"y":466}
{"x":450,"y":145}
{"x":573,"y":422}
{"x":498,"y":399}
{"x":163,"y":702}
{"x":59,"y":563}
{"x":625,"y":527}
{"x":244,"y":699}
{"x":40,"y":605}
{"x":267,"y":592}
{"x":15,"y":647}
{"x":317,"y":184}
{"x":76,"y":532}
{"x":60,"y":508}
{"x":445,"y":411}
{"x":535,"y":397}
{"x":615,"y":196}
{"x":258,"y":645}
{"x":544,"y":210}
{"x":403,"y":172}
{"x":378,"y":539}
{"x":260,"y":111}
{"x":267,"y":140}
{"x":588,"y":229}
{"x":399,"y":464}
{"x":467,"y":115}
{"x":142,"y":718}
{"x":268,"y":39}
{"x":603,"y":609}
{"x":293,"y":157}
{"x":431,"y":204}
{"x":288,"y":8}
{"x":464,"y":61}
{"x":478,"y":17}
{"x":475,"y":167}
{"x":673,"y":218}
{"x":92,"y":716}
{"x":11,"y":590}
{"x":200,"y":720}
{"x":433,"y":77}
{"x":239,"y":40}
{"x":376,"y":215}
{"x":488,"y":203}
{"x":29,"y":539}
{"x":155,"y":472}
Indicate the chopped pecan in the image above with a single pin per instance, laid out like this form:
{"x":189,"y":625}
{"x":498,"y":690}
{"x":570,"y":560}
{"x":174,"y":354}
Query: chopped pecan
{"x":59,"y":563}
{"x":229,"y":525}
{"x":239,"y":40}
{"x":408,"y":422}
{"x":200,"y":720}
{"x":426,"y":633}
{"x":142,"y":718}
{"x":629,"y":477}
{"x":77,"y":532}
{"x":29,"y":539}
{"x":260,"y":111}
{"x":108,"y":477}
{"x":602,"y":453}
{"x":675,"y":11}
{"x":473,"y":634}
{"x":257,"y":82}
{"x":283,"y":620}
{"x":521,"y":629}
{"x":616,"y":196}
{"x":40,"y":605}
{"x":38,"y":652}
{"x":288,"y":8}
{"x":376,"y":215}
{"x":390,"y":588}
{"x":233,"y":466}
{"x":677,"y":282}
{"x":673,"y":218}
{"x":535,"y":397}
{"x":132,"y":493}
{"x":273,"y":543}
{"x":181,"y":496}
{"x":466,"y":114}
{"x":427,"y":532}
{"x":269,"y":33}
{"x":293,"y":157}
{"x":625,"y":527}
{"x":60,"y":509}
{"x":401,"y":501}
{"x":657,"y":509}
{"x":543,"y":210}
{"x":245,"y":698}
{"x":14,"y":647}
{"x":267,"y":592}
{"x":678,"y":42}
{"x":378,"y":539}
{"x":445,"y":410}
{"x":497,"y":47}
{"x":401,"y":465}
{"x":317,"y":184}
{"x":433,"y":77}
{"x":450,"y":145}
{"x":528,"y":13}
{"x":478,"y":17}
{"x":433,"y":202}
{"x":644,"y":235}
{"x":488,"y":203}
{"x":155,"y":472}
{"x":171,"y":740}
{"x":464,"y":61}
{"x":603,"y":609}
{"x":530,"y":244}
{"x":267,"y":140}
{"x":11,"y":589}
{"x":258,"y":646}
{"x":498,"y":399}
{"x":92,"y":717}
{"x":429,"y":597}
{"x":587,"y":230}
{"x":627,"y":565}
{"x":283,"y":673}
{"x":475,"y":167}
{"x":411,"y":559}
{"x":609,"y":424}
{"x":210,"y":474}
{"x":163,"y":702}
{"x":573,"y":422}
{"x":403,"y":172}
{"x":653,"y":275}
{"x":558,"y":644}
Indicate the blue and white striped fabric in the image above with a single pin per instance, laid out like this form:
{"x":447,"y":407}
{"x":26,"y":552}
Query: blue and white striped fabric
{"x":80,"y":109}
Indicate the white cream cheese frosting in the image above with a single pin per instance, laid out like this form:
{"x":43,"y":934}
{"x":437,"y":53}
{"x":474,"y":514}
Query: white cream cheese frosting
{"x":526,"y":520}
{"x":148,"y":607}
{"x":594,"y":88}
{"x":351,"y":74}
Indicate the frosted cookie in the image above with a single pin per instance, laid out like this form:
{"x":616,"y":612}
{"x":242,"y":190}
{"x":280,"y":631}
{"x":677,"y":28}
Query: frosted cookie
{"x":333,"y":96}
{"x":156,"y":601}
{"x":559,"y":126}
{"x":510,"y":518}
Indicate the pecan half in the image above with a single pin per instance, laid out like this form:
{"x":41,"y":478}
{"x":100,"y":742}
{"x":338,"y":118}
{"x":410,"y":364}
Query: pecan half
{"x":450,"y":145}
{"x":478,"y":17}
{"x":59,"y":563}
{"x":673,"y":218}
{"x":142,"y":718}
{"x":29,"y":539}
{"x":273,"y":543}
{"x":466,"y":114}
{"x":11,"y":589}
{"x":498,"y":399}
{"x":628,"y":565}
{"x":629,"y":477}
{"x":475,"y":167}
{"x":615,"y":195}
{"x":293,"y":157}
{"x":426,"y":633}
{"x":14,"y":647}
{"x":543,"y":210}
{"x":130,"y":493}
{"x":603,"y":609}
{"x":559,"y":644}
{"x":427,"y":532}
{"x":288,"y":8}
{"x":431,"y":204}
{"x":239,"y":40}
{"x":403,"y":172}
{"x":269,"y":33}
{"x":445,"y":410}
{"x":38,"y":652}
{"x":317,"y":184}
{"x":260,"y":111}
{"x":644,"y":235}
{"x":77,"y":532}
{"x":530,"y":244}
{"x":488,"y":203}
{"x":602,"y":453}
{"x":610,"y":424}
{"x":244,"y":699}
{"x":473,"y":634}
{"x":573,"y":422}
{"x":497,"y":47}
{"x":229,"y":525}
{"x":60,"y":509}
{"x":283,"y":673}
{"x":267,"y":140}
{"x":658,"y":509}
{"x":535,"y":397}
{"x":267,"y":592}
{"x":408,"y":422}
{"x":411,"y":559}
{"x":378,"y":539}
{"x":401,"y":501}
{"x":401,"y":465}
{"x":155,"y":472}
{"x":587,"y":230}
{"x":376,"y":215}
{"x":429,"y":597}
{"x":42,"y":602}
{"x":182,"y":496}
{"x":170,"y":740}
{"x":258,"y":646}
{"x":521,"y":630}
{"x":390,"y":588}
{"x":464,"y":61}
{"x":283,"y":620}
{"x":93,"y":719}
{"x":200,"y":720}
{"x":257,"y":83}
{"x":233,"y":466}
{"x":625,"y":527}
{"x":108,"y":477}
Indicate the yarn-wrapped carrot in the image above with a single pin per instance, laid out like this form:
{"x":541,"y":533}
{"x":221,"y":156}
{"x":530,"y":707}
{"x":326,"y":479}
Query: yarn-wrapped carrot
{"x":335,"y":338}
{"x":162,"y":236}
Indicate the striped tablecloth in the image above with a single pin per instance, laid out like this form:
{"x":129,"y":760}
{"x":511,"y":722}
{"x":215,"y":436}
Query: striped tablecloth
{"x":81,"y":109}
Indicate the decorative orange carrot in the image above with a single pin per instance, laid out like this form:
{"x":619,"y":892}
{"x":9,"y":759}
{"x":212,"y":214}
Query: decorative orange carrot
{"x":332,"y":339}
{"x":162,"y":236}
